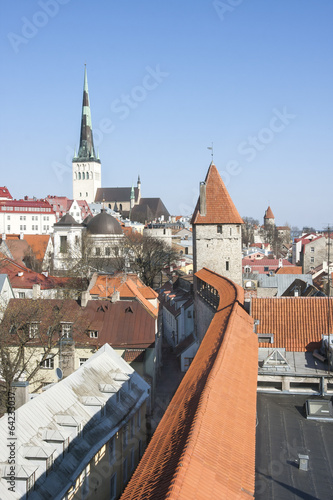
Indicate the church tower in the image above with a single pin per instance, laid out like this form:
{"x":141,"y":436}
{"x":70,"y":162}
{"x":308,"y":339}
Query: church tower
{"x":217,"y":235}
{"x":86,"y":166}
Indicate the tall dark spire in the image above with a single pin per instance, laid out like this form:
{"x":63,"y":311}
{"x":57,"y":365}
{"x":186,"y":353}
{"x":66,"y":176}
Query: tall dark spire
{"x":86,"y":148}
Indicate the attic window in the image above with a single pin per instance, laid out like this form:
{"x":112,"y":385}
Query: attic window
{"x":128,"y":309}
{"x":66,"y":330}
{"x":319,"y":409}
{"x":33,"y":329}
{"x":266,"y":337}
{"x":93,"y":334}
{"x":219,"y":229}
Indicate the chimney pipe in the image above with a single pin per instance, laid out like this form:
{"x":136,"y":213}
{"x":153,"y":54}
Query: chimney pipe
{"x":202,"y":198}
{"x":85,"y":296}
{"x":21,"y":389}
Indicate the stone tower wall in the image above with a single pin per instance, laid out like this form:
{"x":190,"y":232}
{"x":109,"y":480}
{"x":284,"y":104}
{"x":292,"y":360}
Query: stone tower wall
{"x":219,"y":248}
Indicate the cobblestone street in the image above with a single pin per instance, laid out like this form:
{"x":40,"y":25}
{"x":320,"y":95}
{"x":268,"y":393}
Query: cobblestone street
{"x":167,"y":383}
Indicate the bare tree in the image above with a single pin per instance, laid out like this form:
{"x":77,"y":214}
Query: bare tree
{"x":248,"y":229}
{"x":146,"y":256}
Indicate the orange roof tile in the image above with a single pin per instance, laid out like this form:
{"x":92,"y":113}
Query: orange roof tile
{"x":296,"y":322}
{"x":128,"y":286}
{"x":204,"y":446}
{"x":290,"y":270}
{"x":38,"y":244}
{"x":220,"y":208}
{"x":269,"y":214}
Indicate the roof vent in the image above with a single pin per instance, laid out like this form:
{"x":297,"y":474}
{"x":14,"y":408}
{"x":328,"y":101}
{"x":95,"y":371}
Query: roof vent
{"x":303,"y":462}
{"x":20,"y":274}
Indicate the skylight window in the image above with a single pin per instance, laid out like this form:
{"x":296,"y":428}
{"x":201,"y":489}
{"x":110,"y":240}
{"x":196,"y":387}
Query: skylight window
{"x":319,"y":409}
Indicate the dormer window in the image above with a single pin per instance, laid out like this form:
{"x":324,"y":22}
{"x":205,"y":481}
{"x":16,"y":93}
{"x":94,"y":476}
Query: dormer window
{"x":93,"y":334}
{"x":66,"y":330}
{"x":33,"y":329}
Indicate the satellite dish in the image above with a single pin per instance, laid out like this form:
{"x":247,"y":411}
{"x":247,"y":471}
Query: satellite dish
{"x":59,"y":373}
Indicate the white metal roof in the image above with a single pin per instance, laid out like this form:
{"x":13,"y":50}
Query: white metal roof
{"x":63,"y":408}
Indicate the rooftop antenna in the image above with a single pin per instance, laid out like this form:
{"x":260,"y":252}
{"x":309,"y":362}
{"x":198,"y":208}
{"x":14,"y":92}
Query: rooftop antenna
{"x":212,"y":151}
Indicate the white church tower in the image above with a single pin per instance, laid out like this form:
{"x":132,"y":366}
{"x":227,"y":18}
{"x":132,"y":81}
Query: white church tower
{"x":86,"y":166}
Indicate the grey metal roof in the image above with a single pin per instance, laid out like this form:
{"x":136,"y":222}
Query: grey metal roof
{"x":104,"y":223}
{"x":281,"y":281}
{"x":59,"y":411}
{"x":282,"y":433}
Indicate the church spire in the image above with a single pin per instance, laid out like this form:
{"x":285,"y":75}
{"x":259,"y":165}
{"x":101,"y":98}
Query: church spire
{"x":86,"y":148}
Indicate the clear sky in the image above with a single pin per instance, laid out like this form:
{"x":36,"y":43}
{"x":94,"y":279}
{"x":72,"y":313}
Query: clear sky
{"x":166,"y":79}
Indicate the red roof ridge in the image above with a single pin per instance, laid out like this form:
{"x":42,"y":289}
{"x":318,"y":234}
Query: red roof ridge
{"x":220,"y":208}
{"x":210,"y":418}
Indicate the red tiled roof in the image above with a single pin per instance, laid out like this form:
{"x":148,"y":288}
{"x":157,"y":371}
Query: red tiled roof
{"x":123,"y":324}
{"x":204,"y":446}
{"x":38,"y":244}
{"x":290,"y":270}
{"x":131,"y":355}
{"x":21,"y":276}
{"x":269,"y":214}
{"x":220,"y":208}
{"x":296,"y":322}
{"x":4,"y":193}
{"x":129,"y":286}
{"x":33,"y":205}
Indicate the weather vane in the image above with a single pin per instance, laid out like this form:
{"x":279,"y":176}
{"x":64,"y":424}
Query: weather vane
{"x":212,"y":151}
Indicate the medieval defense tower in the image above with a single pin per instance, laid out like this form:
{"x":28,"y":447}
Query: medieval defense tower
{"x":217,"y":235}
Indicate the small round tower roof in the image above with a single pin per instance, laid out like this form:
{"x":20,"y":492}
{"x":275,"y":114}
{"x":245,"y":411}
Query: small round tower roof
{"x":87,"y":220}
{"x":103,"y":223}
{"x":67,"y":220}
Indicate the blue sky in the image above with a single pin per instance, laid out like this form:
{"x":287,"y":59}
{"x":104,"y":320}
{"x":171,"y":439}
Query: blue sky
{"x":166,"y":79}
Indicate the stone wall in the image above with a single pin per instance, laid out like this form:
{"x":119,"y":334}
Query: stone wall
{"x":220,"y":252}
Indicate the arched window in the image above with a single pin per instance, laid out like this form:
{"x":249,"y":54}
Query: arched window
{"x":83,"y":175}
{"x":87,"y":175}
{"x":109,"y":205}
{"x":120,"y":207}
{"x":79,"y":174}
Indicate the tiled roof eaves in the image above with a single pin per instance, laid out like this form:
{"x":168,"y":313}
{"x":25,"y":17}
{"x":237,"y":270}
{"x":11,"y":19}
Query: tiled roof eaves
{"x":207,"y":421}
{"x":296,"y":322}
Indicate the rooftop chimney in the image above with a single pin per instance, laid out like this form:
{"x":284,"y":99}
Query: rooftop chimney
{"x":202,"y":198}
{"x":21,"y":389}
{"x":85,"y":296}
{"x":36,"y":291}
{"x":115,"y":296}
